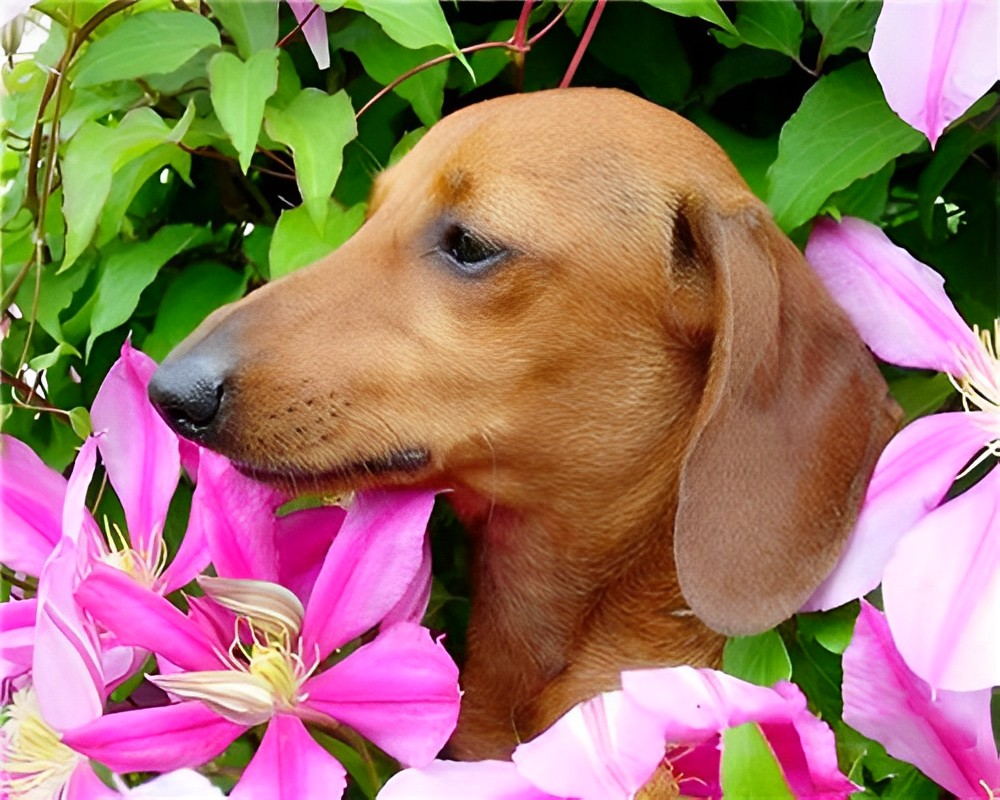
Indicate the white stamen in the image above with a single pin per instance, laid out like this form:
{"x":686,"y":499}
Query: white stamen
{"x":34,"y":762}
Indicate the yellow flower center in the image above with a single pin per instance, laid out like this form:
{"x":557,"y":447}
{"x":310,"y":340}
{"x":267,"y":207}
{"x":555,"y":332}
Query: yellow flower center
{"x":33,"y":760}
{"x":143,"y":568}
{"x":277,"y":667}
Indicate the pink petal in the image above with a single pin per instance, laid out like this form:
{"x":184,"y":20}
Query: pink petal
{"x":142,"y":618}
{"x":302,"y":539}
{"x":31,"y":496}
{"x":181,"y":784}
{"x":17,"y":637}
{"x":155,"y":739}
{"x":942,"y":591}
{"x":139,"y":450}
{"x":947,"y":735}
{"x":290,"y":766}
{"x":451,"y":780}
{"x":897,"y":304}
{"x":400,"y":691}
{"x":412,"y":606}
{"x":912,"y":476}
{"x":235,"y":515}
{"x":935,"y":59}
{"x":191,"y":559}
{"x":369,"y":566}
{"x":603,"y":749}
{"x":314,"y":30}
{"x":84,"y":784}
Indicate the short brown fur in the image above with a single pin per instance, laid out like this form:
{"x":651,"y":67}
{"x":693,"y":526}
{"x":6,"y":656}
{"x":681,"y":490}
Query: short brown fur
{"x":654,"y":351}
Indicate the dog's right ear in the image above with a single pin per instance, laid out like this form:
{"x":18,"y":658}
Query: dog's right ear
{"x":792,"y":417}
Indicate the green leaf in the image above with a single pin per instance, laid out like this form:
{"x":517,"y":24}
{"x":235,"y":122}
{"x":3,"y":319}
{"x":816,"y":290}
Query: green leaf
{"x":196,"y":292}
{"x":831,"y":629}
{"x":844,"y":24}
{"x":316,"y":126}
{"x":708,"y":10}
{"x":297,"y":242}
{"x":239,"y":91}
{"x":406,"y":144}
{"x":773,"y":25}
{"x":842,"y":131}
{"x":79,"y":420}
{"x":760,"y":659}
{"x":252,"y":24}
{"x":412,"y":23}
{"x":47,"y":360}
{"x":749,"y":768}
{"x":921,"y":394}
{"x":951,"y":153}
{"x":866,"y":197}
{"x":353,"y":762}
{"x":129,"y":270}
{"x":145,"y":44}
{"x":751,"y":156}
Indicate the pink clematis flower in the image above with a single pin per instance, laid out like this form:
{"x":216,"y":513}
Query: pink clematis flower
{"x":661,"y":732}
{"x":313,"y":20}
{"x":939,"y":567}
{"x":935,"y":58}
{"x":268,"y":665}
{"x":947,"y":735}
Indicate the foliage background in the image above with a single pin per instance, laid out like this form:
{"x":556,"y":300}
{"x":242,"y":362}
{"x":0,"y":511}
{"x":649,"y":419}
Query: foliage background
{"x":167,"y":138}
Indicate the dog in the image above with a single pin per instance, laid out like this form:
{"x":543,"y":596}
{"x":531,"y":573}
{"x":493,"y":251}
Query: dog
{"x":567,"y":308}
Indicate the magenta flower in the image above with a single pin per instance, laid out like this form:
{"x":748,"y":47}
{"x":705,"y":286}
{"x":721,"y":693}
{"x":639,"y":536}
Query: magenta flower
{"x":935,"y":58}
{"x":662,"y":731}
{"x":269,"y":665}
{"x":947,"y":735}
{"x":939,"y":567}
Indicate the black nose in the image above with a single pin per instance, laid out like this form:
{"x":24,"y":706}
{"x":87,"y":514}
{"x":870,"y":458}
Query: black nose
{"x":188,"y":393}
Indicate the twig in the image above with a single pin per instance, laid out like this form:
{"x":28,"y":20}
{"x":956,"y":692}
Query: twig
{"x":16,"y":383}
{"x":581,"y":48}
{"x":519,"y":41}
{"x":285,"y":39}
{"x":208,"y":153}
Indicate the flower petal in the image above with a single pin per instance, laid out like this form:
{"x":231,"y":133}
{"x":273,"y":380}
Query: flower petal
{"x":947,"y":735}
{"x":942,"y":591}
{"x":17,"y":638}
{"x":290,"y":766}
{"x":191,"y":558}
{"x":451,"y":780}
{"x":412,"y":606}
{"x":898,"y":305}
{"x":302,"y":539}
{"x":139,"y":617}
{"x":235,"y":515}
{"x":603,"y":749}
{"x":31,"y":495}
{"x":182,"y":784}
{"x":400,"y":691}
{"x":139,"y":450}
{"x":314,"y":29}
{"x":934,"y":60}
{"x":83,"y":784}
{"x":155,"y":739}
{"x":912,"y":476}
{"x":368,"y":567}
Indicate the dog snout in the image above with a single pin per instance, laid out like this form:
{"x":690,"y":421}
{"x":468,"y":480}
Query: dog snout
{"x":189,"y":392}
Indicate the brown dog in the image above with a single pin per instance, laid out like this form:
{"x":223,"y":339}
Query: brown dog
{"x":568,"y":308}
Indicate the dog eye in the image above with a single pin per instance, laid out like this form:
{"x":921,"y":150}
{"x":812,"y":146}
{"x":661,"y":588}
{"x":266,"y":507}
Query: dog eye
{"x":470,"y":253}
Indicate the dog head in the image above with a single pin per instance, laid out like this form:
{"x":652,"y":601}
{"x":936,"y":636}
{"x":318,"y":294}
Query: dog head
{"x":552,"y":294}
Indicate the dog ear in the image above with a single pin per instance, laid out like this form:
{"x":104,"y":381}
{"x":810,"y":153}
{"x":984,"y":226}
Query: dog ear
{"x":793,"y":415}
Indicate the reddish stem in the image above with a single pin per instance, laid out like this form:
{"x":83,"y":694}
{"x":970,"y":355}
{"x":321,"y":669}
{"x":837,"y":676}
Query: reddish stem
{"x":584,"y":41}
{"x":291,"y":34}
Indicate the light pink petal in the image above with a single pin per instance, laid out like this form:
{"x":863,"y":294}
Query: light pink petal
{"x":290,"y":766}
{"x":368,"y":568}
{"x":181,"y":784}
{"x":190,"y":457}
{"x":603,"y":749}
{"x":119,"y":664}
{"x":141,"y":618}
{"x":947,"y":735}
{"x":898,"y":305}
{"x":190,"y":560}
{"x":84,"y":784}
{"x":235,"y":515}
{"x":314,"y":30}
{"x":155,"y":739}
{"x":451,"y":780}
{"x":31,"y":497}
{"x":942,"y":591}
{"x":912,"y":476}
{"x":302,"y":539}
{"x":139,"y":450}
{"x":400,"y":691}
{"x":412,"y":606}
{"x":694,"y":704}
{"x":935,"y":59}
{"x":17,"y":638}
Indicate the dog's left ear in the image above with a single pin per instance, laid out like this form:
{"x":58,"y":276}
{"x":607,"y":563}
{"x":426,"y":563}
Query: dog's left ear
{"x":793,"y":415}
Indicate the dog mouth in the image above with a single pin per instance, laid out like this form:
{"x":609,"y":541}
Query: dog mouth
{"x":402,"y":461}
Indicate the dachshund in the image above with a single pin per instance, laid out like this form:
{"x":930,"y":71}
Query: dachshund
{"x":568,"y":309}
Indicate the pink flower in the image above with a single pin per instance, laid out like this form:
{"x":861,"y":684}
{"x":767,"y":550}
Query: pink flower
{"x":947,"y":735}
{"x":939,"y":566}
{"x":663,"y":729}
{"x":935,"y":58}
{"x":399,"y":690}
{"x":313,"y":28}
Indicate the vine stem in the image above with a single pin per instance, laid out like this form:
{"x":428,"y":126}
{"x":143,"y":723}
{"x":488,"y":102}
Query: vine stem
{"x":291,"y":34}
{"x":581,"y":48}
